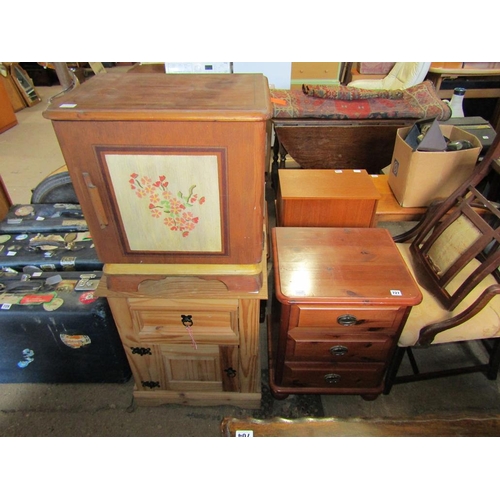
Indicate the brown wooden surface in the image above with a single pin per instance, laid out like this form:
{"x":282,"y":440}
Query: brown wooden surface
{"x":388,"y":207}
{"x":5,"y":200}
{"x":477,"y":426}
{"x":15,"y":96}
{"x":7,"y":116}
{"x":326,"y":198}
{"x":344,"y":144}
{"x":340,"y":266}
{"x":154,"y":96}
{"x":169,"y":114}
{"x":147,"y":68}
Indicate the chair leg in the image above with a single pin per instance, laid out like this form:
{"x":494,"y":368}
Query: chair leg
{"x":413,"y":361}
{"x":393,"y":368}
{"x":494,"y":363}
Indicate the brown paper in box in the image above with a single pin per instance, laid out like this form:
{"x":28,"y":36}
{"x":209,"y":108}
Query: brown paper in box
{"x":419,"y":177}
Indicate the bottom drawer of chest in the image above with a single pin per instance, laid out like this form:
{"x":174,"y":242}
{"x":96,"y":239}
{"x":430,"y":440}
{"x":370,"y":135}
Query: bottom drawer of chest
{"x":331,"y":376}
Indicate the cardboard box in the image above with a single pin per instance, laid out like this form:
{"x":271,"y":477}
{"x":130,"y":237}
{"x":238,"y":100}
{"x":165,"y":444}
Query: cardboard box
{"x":419,"y":177}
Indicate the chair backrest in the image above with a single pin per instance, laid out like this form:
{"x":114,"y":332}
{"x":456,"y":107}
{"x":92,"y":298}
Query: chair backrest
{"x":458,"y":244}
{"x":406,"y":74}
{"x":403,"y":75}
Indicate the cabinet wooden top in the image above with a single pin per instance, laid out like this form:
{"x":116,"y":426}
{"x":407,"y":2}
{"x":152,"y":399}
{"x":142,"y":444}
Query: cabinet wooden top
{"x":316,"y":184}
{"x":165,"y":97}
{"x":355,"y":266}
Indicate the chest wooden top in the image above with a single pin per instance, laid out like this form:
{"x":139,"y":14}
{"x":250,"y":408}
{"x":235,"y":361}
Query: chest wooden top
{"x":356,"y":266}
{"x":153,"y":97}
{"x":326,"y":184}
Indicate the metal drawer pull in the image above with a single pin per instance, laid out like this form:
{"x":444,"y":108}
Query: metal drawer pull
{"x":338,"y":350}
{"x":187,"y":320}
{"x":332,"y":378}
{"x":347,"y":320}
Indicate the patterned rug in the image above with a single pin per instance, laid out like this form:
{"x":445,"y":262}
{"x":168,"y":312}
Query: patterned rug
{"x":418,"y":102}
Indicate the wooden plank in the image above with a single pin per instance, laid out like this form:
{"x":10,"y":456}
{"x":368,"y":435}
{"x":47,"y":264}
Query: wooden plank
{"x":484,"y":426}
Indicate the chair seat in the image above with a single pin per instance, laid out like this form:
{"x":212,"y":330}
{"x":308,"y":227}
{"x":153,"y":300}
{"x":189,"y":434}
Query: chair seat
{"x":485,"y":324}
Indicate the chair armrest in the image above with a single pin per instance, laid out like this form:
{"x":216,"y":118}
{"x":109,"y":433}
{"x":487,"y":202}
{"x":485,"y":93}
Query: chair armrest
{"x":429,"y":332}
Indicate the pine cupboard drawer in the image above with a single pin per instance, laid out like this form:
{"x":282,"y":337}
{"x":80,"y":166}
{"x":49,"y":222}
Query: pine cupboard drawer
{"x":354,"y":376}
{"x":302,"y":346}
{"x":185,"y":321}
{"x":340,"y":318}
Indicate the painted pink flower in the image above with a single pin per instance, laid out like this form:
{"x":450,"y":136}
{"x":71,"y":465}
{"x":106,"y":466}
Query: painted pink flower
{"x":176,"y":206}
{"x":162,"y":201}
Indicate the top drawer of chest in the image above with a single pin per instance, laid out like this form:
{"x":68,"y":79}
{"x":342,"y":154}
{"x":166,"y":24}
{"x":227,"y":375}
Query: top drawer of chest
{"x":355,"y":318}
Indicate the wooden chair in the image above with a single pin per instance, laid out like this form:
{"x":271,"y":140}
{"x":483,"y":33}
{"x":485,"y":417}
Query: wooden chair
{"x":454,"y":255}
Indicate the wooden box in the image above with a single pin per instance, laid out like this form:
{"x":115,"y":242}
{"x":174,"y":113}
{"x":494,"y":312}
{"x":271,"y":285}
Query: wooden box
{"x":169,"y":168}
{"x":326,"y":198}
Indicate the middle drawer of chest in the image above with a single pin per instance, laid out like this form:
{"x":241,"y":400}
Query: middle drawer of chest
{"x":305,"y":346}
{"x":210,"y":321}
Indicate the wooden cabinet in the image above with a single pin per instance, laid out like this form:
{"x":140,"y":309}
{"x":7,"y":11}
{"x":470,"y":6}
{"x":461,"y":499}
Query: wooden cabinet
{"x":7,"y":116}
{"x":315,"y":73}
{"x":326,"y":198}
{"x":169,"y":168}
{"x":170,"y":172}
{"x":342,"y":296}
{"x":190,"y":341}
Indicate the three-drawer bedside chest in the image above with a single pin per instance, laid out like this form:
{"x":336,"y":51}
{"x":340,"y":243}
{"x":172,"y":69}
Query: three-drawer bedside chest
{"x":341,"y":299}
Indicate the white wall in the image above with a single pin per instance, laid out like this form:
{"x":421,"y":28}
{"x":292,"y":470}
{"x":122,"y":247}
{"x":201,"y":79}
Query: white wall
{"x":278,"y":73}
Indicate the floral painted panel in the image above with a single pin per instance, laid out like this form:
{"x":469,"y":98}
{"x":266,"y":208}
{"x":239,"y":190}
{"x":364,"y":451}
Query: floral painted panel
{"x":168,"y":203}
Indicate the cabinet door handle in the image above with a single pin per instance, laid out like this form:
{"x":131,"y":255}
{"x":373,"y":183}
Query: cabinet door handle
{"x":347,"y":320}
{"x":338,"y":350}
{"x":95,"y":198}
{"x":332,"y":378}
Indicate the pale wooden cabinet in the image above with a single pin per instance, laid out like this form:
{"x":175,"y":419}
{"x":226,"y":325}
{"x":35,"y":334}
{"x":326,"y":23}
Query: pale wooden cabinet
{"x":191,"y":342}
{"x":315,"y":73}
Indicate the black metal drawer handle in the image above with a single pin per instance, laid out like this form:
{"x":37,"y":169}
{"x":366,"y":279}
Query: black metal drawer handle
{"x":339,"y":350}
{"x":347,"y":320}
{"x":187,"y":320}
{"x":332,"y":378}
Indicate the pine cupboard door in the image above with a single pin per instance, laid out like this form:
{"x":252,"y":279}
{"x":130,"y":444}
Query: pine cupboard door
{"x":184,"y":367}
